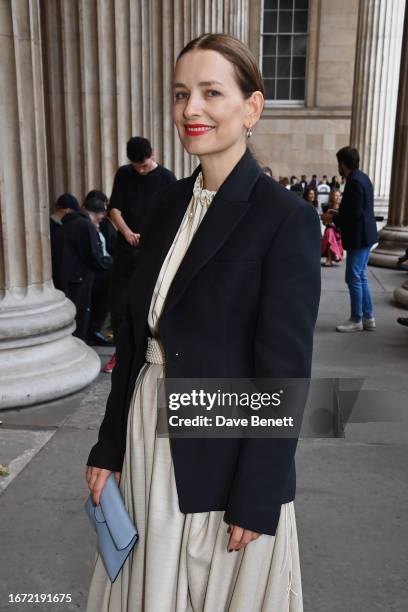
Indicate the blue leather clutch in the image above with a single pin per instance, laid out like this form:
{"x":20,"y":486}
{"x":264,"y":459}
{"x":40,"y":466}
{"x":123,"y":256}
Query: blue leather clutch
{"x":115,"y":532}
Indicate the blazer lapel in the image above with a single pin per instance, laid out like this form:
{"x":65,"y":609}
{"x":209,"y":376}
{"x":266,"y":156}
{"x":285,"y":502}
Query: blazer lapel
{"x":226,"y":210}
{"x":158,"y":242}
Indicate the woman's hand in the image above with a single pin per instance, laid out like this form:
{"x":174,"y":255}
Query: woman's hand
{"x":96,"y":479}
{"x":240,"y":537}
{"x":132,"y":238}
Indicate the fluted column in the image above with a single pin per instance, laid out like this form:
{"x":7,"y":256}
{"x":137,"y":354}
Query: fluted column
{"x":398,"y":217}
{"x":39,"y":358}
{"x":378,"y":52}
{"x":109,"y":77}
{"x":394,"y":236}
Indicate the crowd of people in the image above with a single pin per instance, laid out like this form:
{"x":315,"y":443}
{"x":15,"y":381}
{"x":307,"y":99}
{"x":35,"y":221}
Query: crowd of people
{"x":94,"y":246}
{"x":326,"y":197}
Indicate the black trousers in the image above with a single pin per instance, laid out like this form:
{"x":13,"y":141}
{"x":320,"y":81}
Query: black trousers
{"x":100,"y":301}
{"x":80,"y":292}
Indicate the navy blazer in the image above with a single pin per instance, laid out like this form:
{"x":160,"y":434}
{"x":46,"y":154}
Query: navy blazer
{"x":356,"y":219}
{"x":243,"y":303}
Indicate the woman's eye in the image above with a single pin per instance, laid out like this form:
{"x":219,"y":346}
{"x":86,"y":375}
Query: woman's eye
{"x":180,"y":95}
{"x":213,"y":93}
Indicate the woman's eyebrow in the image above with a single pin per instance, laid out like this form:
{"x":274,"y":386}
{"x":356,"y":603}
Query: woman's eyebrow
{"x":201,"y":84}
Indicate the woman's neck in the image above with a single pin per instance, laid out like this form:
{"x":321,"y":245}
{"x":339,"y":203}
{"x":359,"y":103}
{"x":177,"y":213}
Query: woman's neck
{"x":216,"y":167}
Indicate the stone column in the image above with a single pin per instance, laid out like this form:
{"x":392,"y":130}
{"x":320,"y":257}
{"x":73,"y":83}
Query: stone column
{"x":398,"y":218}
{"x":378,"y":52}
{"x":108,"y":76}
{"x":394,"y":236}
{"x":39,"y":358}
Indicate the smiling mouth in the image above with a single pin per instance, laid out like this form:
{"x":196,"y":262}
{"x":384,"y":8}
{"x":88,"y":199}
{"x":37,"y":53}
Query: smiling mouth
{"x":198,"y":130}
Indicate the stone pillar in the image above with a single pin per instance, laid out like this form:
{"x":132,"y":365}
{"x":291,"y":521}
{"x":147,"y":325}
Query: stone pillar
{"x":39,"y":358}
{"x":108,"y":76}
{"x":398,"y":218}
{"x":394,"y":236}
{"x":378,"y":52}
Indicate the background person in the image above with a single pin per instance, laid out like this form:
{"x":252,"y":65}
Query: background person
{"x":296,"y":187}
{"x":106,"y":226}
{"x":310,"y":196}
{"x":134,"y":184}
{"x":335,"y":183}
{"x":313,"y":182}
{"x":358,"y":229}
{"x":82,"y":257}
{"x":323,"y":191}
{"x":65,"y":204}
{"x":332,"y":247}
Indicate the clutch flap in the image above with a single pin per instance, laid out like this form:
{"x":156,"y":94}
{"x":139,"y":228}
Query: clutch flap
{"x":116,"y":516}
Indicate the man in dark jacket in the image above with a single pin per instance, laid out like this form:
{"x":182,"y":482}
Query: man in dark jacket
{"x":82,"y":258}
{"x":358,"y":229}
{"x":65,"y":204}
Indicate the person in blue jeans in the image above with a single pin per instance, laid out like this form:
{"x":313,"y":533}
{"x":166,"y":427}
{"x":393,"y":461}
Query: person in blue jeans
{"x":358,"y":229}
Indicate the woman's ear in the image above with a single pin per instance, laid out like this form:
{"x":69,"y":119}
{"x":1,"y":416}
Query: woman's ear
{"x":255,"y":104}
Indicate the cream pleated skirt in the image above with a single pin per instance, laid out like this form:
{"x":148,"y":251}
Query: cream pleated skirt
{"x":181,"y":562}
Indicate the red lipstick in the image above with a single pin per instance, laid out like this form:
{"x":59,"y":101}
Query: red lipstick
{"x":197,"y":129}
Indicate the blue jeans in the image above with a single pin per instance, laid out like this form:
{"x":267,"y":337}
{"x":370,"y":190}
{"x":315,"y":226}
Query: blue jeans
{"x":356,"y":279}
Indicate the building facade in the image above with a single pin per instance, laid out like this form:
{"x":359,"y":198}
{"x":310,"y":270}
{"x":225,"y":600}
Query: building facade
{"x":302,"y":135}
{"x":79,"y":77}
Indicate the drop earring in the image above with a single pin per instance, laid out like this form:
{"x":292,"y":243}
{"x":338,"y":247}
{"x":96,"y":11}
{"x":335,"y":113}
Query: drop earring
{"x":249,"y":132}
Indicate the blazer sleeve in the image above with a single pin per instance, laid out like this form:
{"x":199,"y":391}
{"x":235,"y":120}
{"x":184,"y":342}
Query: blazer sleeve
{"x":283,"y":346}
{"x":109,"y":451}
{"x":352,"y":206}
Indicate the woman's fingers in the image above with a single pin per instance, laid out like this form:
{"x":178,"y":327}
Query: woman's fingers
{"x":240,"y":537}
{"x":235,"y":537}
{"x":97,"y":478}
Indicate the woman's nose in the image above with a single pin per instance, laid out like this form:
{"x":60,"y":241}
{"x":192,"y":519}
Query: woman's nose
{"x":193,"y":108}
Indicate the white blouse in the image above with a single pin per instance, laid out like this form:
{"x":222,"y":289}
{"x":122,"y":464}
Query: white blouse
{"x":196,"y":209}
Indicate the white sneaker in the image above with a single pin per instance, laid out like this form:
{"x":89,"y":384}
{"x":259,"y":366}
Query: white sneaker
{"x":350,"y":326}
{"x":369,"y":324}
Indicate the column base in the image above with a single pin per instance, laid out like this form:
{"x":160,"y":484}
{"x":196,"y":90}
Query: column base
{"x":401,"y":295}
{"x":392,"y":244}
{"x":381,"y":207}
{"x":40,"y":360}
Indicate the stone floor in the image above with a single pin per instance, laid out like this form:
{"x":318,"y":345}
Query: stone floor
{"x":352,"y":500}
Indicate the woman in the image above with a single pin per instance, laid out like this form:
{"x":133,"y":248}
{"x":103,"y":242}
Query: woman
{"x":335,"y":183}
{"x":332,"y":247}
{"x":310,"y":196}
{"x":230,"y":302}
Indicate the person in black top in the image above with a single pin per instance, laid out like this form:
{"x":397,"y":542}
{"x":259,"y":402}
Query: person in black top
{"x":133,"y":185}
{"x":66,"y":203}
{"x":106,"y":226}
{"x":82,"y":257}
{"x":313,"y":182}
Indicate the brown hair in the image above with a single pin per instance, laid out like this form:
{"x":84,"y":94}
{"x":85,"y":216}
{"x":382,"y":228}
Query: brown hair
{"x":247,"y":73}
{"x":332,"y":194}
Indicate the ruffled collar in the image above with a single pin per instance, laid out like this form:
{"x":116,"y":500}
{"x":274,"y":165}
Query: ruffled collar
{"x":201,"y":195}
